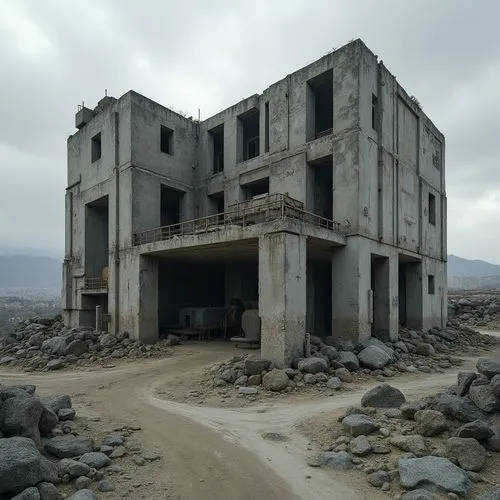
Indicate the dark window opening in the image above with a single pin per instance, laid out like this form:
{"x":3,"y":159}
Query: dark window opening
{"x":97,"y":238}
{"x":217,"y":137}
{"x":248,"y":135}
{"x":374,"y":111}
{"x":266,"y":128}
{"x":432,"y":209}
{"x":431,"y":284}
{"x":320,"y":105}
{"x":170,"y":209}
{"x":321,"y":175}
{"x":166,"y":140}
{"x":96,"y":148}
{"x":256,"y":188}
{"x":217,"y":203}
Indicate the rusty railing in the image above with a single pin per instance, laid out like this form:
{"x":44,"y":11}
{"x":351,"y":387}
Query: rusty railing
{"x":95,"y":284}
{"x":243,"y":214}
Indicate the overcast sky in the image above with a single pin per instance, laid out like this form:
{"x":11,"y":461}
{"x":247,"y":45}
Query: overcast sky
{"x":54,"y":54}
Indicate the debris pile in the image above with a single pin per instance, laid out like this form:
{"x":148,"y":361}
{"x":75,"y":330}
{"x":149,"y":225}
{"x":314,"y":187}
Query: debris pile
{"x":334,"y":362}
{"x":44,"y":453}
{"x":441,"y":444}
{"x":481,"y":310}
{"x":41,"y":344}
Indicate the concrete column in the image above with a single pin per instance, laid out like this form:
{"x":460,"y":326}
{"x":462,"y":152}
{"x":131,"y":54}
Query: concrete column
{"x":282,"y":296}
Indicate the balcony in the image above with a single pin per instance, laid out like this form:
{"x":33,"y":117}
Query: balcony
{"x":247,"y":213}
{"x":96,"y":285}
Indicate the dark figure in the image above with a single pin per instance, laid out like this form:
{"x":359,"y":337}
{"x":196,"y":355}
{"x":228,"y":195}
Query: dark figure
{"x":232,"y":319}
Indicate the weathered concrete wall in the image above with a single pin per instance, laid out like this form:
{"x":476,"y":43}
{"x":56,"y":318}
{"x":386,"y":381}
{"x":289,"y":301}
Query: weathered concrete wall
{"x":282,"y":296}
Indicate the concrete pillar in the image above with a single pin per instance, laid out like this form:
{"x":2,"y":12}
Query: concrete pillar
{"x":282,"y":296}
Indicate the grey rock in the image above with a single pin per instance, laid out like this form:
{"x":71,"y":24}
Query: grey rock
{"x":478,"y":430}
{"x":256,"y":366}
{"x":55,"y":364}
{"x":488,"y":366}
{"x":430,"y":422}
{"x":464,"y":381}
{"x":7,"y":360}
{"x":334,"y":383}
{"x":419,"y":494}
{"x":374,"y":357}
{"x":228,"y":376}
{"x":118,"y":452}
{"x":330,"y":352}
{"x":401,"y":346}
{"x":105,"y":486}
{"x":349,"y":360}
{"x":82,"y":482}
{"x":96,"y":459}
{"x":484,"y":398}
{"x":241,"y":381}
{"x":55,"y":346}
{"x":495,"y":385}
{"x":378,"y":478}
{"x":36,"y":340}
{"x":336,"y":460}
{"x":360,"y":446}
{"x":413,"y":444}
{"x":83,"y":495}
{"x":48,"y":491}
{"x":68,"y":446}
{"x":357,"y":425}
{"x":492,"y":494}
{"x":22,"y":465}
{"x":19,"y":416}
{"x":48,"y":420}
{"x":66,"y":414}
{"x":383,"y":396}
{"x":248,"y":390}
{"x":57,"y":402}
{"x":425,"y":349}
{"x":480,"y":380}
{"x":31,"y":493}
{"x":493,"y":443}
{"x":447,"y":334}
{"x":313,"y":365}
{"x":151,"y":456}
{"x":455,"y":407}
{"x":113,"y":440}
{"x":409,"y":408}
{"x":73,"y":467}
{"x":107,"y":340}
{"x":434,"y":472}
{"x":138,"y":460}
{"x":275,"y":380}
{"x":77,"y":348}
{"x":469,"y":453}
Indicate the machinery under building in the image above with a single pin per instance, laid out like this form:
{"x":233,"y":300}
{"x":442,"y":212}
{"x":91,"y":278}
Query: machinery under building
{"x":319,"y":205}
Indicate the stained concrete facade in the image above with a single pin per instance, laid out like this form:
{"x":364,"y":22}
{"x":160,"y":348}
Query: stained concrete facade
{"x":340,"y":136}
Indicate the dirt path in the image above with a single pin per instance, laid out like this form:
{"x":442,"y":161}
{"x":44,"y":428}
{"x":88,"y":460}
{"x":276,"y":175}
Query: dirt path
{"x":217,"y":452}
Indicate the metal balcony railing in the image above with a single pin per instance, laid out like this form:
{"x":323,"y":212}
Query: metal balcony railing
{"x":244,"y":214}
{"x":95,"y":284}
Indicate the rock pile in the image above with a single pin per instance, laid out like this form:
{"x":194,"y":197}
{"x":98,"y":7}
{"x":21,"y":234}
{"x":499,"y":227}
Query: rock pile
{"x":39,"y":344}
{"x":41,"y":448}
{"x":479,"y":310}
{"x":439,"y":444}
{"x":332,"y":362}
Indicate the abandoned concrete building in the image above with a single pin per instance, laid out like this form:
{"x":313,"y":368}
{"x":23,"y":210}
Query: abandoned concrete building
{"x":319,"y":203}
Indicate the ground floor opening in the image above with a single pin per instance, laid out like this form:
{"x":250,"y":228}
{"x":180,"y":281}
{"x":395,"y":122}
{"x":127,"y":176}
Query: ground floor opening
{"x":410,"y":292}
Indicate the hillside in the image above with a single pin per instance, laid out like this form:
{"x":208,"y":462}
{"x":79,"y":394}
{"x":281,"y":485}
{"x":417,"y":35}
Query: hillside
{"x":26,"y":271}
{"x":472,"y":274}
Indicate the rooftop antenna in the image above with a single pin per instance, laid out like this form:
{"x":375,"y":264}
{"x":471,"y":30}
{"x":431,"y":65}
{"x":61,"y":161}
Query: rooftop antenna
{"x":199,"y":115}
{"x":105,"y":92}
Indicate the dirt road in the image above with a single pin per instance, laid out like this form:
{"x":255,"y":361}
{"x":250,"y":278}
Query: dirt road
{"x":215,"y":453}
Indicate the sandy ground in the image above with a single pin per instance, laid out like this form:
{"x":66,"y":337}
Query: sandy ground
{"x":210,"y":452}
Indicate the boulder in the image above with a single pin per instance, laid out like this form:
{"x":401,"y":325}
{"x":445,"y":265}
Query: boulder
{"x":447,"y":334}
{"x":464,"y":381}
{"x":360,"y":446}
{"x":95,"y":460}
{"x":82,"y":482}
{"x":430,"y":423}
{"x":31,"y":493}
{"x":478,"y":429}
{"x":113,"y":440}
{"x":455,"y":407}
{"x":55,"y":364}
{"x":349,"y":360}
{"x":492,"y":494}
{"x":313,"y":365}
{"x":57,"y":402}
{"x":68,"y":446}
{"x":495,"y":385}
{"x":488,"y":366}
{"x":107,"y":340}
{"x":425,"y":349}
{"x":375,"y":342}
{"x":20,"y":416}
{"x":357,"y":425}
{"x":336,"y":460}
{"x":412,"y":444}
{"x":409,"y":408}
{"x":83,"y":495}
{"x":383,"y":396}
{"x":256,"y":366}
{"x":334,"y":383}
{"x":378,"y":478}
{"x":468,"y":452}
{"x":22,"y":465}
{"x":374,"y":357}
{"x":434,"y":472}
{"x":66,"y":414}
{"x":48,"y":420}
{"x":330,"y":352}
{"x":344,"y":375}
{"x":48,"y":491}
{"x":73,"y":467}
{"x":275,"y":380}
{"x":77,"y":348}
{"x":484,"y":398}
{"x":54,"y":346}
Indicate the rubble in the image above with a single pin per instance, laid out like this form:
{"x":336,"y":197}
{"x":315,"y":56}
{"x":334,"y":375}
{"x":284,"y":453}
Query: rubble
{"x":476,"y":310}
{"x":41,"y":344}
